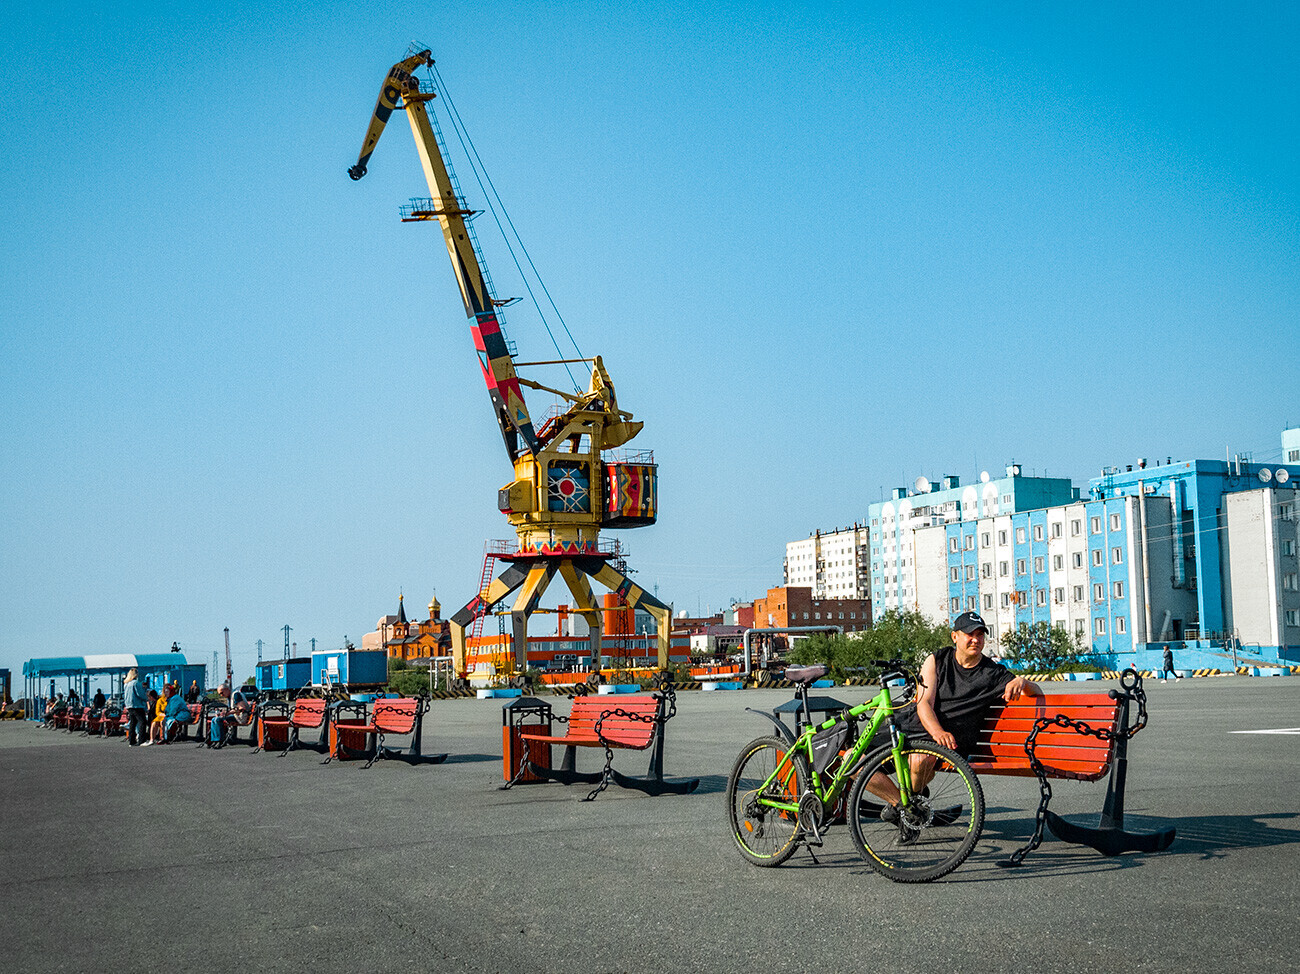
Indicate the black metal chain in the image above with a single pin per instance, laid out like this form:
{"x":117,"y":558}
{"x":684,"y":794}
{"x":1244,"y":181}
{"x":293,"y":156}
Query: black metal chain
{"x":1131,"y":684}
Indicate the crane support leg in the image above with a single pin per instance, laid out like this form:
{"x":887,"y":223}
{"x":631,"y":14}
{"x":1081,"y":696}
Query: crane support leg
{"x":501,"y":587}
{"x":530,"y":594}
{"x":585,"y":602}
{"x":635,"y":596}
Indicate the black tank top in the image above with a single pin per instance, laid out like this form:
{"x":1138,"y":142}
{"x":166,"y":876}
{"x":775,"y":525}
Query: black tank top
{"x":962,"y":697}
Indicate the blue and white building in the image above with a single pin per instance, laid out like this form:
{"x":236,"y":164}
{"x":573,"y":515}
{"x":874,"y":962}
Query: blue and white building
{"x":904,"y":558}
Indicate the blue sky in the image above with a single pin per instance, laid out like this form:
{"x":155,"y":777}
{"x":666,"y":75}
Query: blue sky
{"x":822,"y":248}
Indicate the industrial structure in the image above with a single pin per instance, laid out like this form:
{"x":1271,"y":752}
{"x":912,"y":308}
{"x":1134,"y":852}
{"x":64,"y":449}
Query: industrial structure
{"x":565,"y":486}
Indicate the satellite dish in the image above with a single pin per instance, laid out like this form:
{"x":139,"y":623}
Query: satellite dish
{"x":1265,"y":475}
{"x":1282,"y":475}
{"x":922,"y":486}
{"x":984,"y":476}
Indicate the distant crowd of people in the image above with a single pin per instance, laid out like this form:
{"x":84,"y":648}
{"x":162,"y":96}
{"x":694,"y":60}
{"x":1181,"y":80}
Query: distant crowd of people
{"x":153,"y":717}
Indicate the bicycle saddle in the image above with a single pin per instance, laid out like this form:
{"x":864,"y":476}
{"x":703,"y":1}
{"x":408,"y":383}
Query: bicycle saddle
{"x":806,"y":674}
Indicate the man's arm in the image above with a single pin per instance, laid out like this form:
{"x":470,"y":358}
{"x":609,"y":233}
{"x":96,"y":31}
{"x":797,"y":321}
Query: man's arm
{"x":925,"y":706}
{"x":1018,"y":687}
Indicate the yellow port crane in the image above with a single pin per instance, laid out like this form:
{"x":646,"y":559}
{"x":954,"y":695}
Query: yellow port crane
{"x":564,"y":488}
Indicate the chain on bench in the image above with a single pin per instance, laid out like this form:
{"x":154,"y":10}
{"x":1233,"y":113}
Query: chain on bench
{"x":666,"y":693}
{"x":1131,"y":691}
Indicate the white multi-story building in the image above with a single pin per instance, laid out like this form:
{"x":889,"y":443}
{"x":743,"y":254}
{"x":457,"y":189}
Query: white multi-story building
{"x":905,"y":574}
{"x":1261,"y":569}
{"x":834,"y":564}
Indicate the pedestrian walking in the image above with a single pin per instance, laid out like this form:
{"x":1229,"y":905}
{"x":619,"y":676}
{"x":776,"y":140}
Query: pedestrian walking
{"x":1169,"y":665}
{"x":136,"y":702}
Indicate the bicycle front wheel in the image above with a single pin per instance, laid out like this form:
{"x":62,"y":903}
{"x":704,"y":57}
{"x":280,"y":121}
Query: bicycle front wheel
{"x":933,"y":833}
{"x":765,"y":773}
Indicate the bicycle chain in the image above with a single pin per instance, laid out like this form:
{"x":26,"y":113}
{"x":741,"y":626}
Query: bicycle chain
{"x":1135,"y":692}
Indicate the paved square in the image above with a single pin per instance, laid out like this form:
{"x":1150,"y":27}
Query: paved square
{"x":180,"y":858}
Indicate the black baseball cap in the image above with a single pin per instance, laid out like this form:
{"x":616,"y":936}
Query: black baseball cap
{"x":969,"y":622}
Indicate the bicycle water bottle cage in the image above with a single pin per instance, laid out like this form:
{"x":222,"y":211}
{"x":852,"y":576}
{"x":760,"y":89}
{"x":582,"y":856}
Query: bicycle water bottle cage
{"x":805,"y":675}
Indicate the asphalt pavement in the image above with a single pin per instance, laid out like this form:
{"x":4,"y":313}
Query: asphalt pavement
{"x":180,"y":858}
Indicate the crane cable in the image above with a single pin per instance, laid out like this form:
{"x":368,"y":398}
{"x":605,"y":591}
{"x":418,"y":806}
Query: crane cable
{"x":490,"y":195}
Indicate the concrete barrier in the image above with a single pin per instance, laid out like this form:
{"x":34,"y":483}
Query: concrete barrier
{"x":721,"y":685}
{"x":607,"y":688}
{"x":492,"y":692}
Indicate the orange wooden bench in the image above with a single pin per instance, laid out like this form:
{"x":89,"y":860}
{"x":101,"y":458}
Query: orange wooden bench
{"x":389,"y":716}
{"x":1070,"y":736}
{"x":309,"y":713}
{"x":613,"y":723}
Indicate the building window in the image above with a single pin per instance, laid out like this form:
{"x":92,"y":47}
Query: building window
{"x":818,"y":615}
{"x":1288,"y":548}
{"x":1116,"y":556}
{"x":954,"y":574}
{"x":1020,"y":535}
{"x":1292,"y":617}
{"x":988,"y":602}
{"x":1058,"y":562}
{"x":1099,"y":592}
{"x":1056,"y":529}
{"x":1078,"y":559}
{"x":986,"y":570}
{"x":1097,"y":558}
{"x":1038,"y":532}
{"x":1040,"y":596}
{"x":1003,"y":568}
{"x":1002,"y":537}
{"x":1078,"y":626}
{"x":1078,"y":593}
{"x":1006,"y":600}
{"x":1286,"y":511}
{"x":1100,"y":627}
{"x":956,"y":605}
{"x":1020,"y":566}
{"x":970,"y":573}
{"x":970,"y":542}
{"x":972,"y":603}
{"x":1120,"y":625}
{"x":1289,"y":581}
{"x":1038,"y":564}
{"x":1095,"y":525}
{"x":954,"y":545}
{"x":1114,"y":522}
{"x":985,"y":539}
{"x":805,"y":617}
{"x":1058,"y":595}
{"x":1076,"y":527}
{"x":1118,"y":588}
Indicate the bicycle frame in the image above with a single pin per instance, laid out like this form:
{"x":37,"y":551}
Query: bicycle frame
{"x":829,"y":787}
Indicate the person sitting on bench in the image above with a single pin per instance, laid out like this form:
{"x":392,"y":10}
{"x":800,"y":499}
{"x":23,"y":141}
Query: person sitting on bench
{"x":958,"y":687}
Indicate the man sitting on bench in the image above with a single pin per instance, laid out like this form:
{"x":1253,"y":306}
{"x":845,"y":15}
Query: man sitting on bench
{"x":957,"y":688}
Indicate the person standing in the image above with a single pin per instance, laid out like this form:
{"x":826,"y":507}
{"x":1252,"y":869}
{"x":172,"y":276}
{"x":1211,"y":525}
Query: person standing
{"x":136,"y":701}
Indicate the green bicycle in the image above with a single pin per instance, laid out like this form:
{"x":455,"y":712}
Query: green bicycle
{"x":786,"y":790}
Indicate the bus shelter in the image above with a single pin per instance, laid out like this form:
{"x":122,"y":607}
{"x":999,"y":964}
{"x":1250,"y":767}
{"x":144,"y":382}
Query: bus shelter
{"x":44,"y":677}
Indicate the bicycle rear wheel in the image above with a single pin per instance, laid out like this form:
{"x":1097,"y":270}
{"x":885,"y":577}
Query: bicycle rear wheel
{"x":934,"y":833}
{"x":766,"y":836}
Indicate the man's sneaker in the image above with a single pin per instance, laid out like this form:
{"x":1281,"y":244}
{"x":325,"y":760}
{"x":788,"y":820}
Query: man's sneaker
{"x":146,"y":743}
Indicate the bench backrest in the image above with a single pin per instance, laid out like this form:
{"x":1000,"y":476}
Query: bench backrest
{"x":1063,"y":751}
{"x":395,"y":715}
{"x":308,"y":712}
{"x":636,"y":731}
